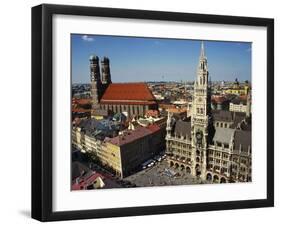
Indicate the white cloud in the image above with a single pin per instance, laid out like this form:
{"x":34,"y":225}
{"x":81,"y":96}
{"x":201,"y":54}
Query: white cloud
{"x":87,"y":38}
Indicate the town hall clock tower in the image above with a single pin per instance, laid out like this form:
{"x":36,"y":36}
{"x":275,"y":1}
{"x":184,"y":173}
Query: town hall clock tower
{"x":200,"y":118}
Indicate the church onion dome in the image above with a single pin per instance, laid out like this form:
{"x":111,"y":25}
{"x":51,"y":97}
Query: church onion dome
{"x":105,"y":59}
{"x":94,"y":57}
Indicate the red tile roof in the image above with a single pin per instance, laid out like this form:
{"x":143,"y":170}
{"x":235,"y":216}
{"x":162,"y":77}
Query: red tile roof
{"x":218,"y":99}
{"x":132,"y":135}
{"x":81,"y":101}
{"x":80,"y":110}
{"x":177,"y":110}
{"x":85,"y":182}
{"x":243,"y":97}
{"x":127,"y":92}
{"x":129,"y":136}
{"x":165,"y":106}
{"x":153,"y":128}
{"x":153,"y":113}
{"x":76,"y":121}
{"x":128,"y":102}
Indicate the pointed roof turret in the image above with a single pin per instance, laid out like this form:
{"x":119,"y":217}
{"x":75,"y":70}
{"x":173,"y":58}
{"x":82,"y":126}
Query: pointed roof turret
{"x":202,"y":54}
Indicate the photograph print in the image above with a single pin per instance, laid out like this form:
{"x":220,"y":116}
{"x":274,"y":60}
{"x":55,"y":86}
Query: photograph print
{"x":159,"y":112}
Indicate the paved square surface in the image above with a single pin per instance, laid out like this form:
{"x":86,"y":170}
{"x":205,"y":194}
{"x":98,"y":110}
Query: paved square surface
{"x":156,"y":176}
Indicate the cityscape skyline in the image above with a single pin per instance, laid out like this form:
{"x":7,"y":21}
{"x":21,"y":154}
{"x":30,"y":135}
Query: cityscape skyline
{"x":141,"y":135}
{"x":164,"y":59}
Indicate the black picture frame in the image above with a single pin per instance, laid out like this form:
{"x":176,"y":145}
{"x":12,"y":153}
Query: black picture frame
{"x":42,"y":111}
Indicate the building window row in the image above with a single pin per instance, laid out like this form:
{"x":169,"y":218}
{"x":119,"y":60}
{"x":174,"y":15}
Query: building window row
{"x":222,"y":124}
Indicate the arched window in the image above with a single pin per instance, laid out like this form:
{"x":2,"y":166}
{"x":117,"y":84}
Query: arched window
{"x":223,"y":180}
{"x":209,"y":177}
{"x":216,"y":179}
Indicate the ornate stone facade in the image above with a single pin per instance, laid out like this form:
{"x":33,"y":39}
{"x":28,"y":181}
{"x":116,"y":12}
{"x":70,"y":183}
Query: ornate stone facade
{"x":213,"y":145}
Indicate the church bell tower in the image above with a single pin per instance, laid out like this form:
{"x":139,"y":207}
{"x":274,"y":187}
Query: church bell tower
{"x":95,"y":81}
{"x":106,"y":77}
{"x":200,"y":117}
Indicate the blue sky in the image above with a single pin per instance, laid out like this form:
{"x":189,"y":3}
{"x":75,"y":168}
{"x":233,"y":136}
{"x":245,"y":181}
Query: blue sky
{"x":153,"y":59}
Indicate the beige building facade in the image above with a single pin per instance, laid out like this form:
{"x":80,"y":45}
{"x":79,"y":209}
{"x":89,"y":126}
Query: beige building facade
{"x":238,"y":107}
{"x":123,"y":153}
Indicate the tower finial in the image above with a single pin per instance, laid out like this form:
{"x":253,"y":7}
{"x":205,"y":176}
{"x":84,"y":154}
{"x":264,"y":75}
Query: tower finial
{"x":202,"y":50}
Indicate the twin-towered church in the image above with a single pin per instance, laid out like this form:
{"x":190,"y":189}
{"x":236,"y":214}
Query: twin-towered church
{"x":133,"y":98}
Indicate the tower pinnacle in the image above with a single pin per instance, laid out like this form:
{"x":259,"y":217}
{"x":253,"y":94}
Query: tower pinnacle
{"x":202,"y":54}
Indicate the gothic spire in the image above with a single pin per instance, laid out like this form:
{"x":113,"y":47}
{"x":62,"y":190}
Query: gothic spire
{"x":202,"y":55}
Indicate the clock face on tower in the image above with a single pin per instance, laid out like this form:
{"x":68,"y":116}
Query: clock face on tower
{"x":199,"y":137}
